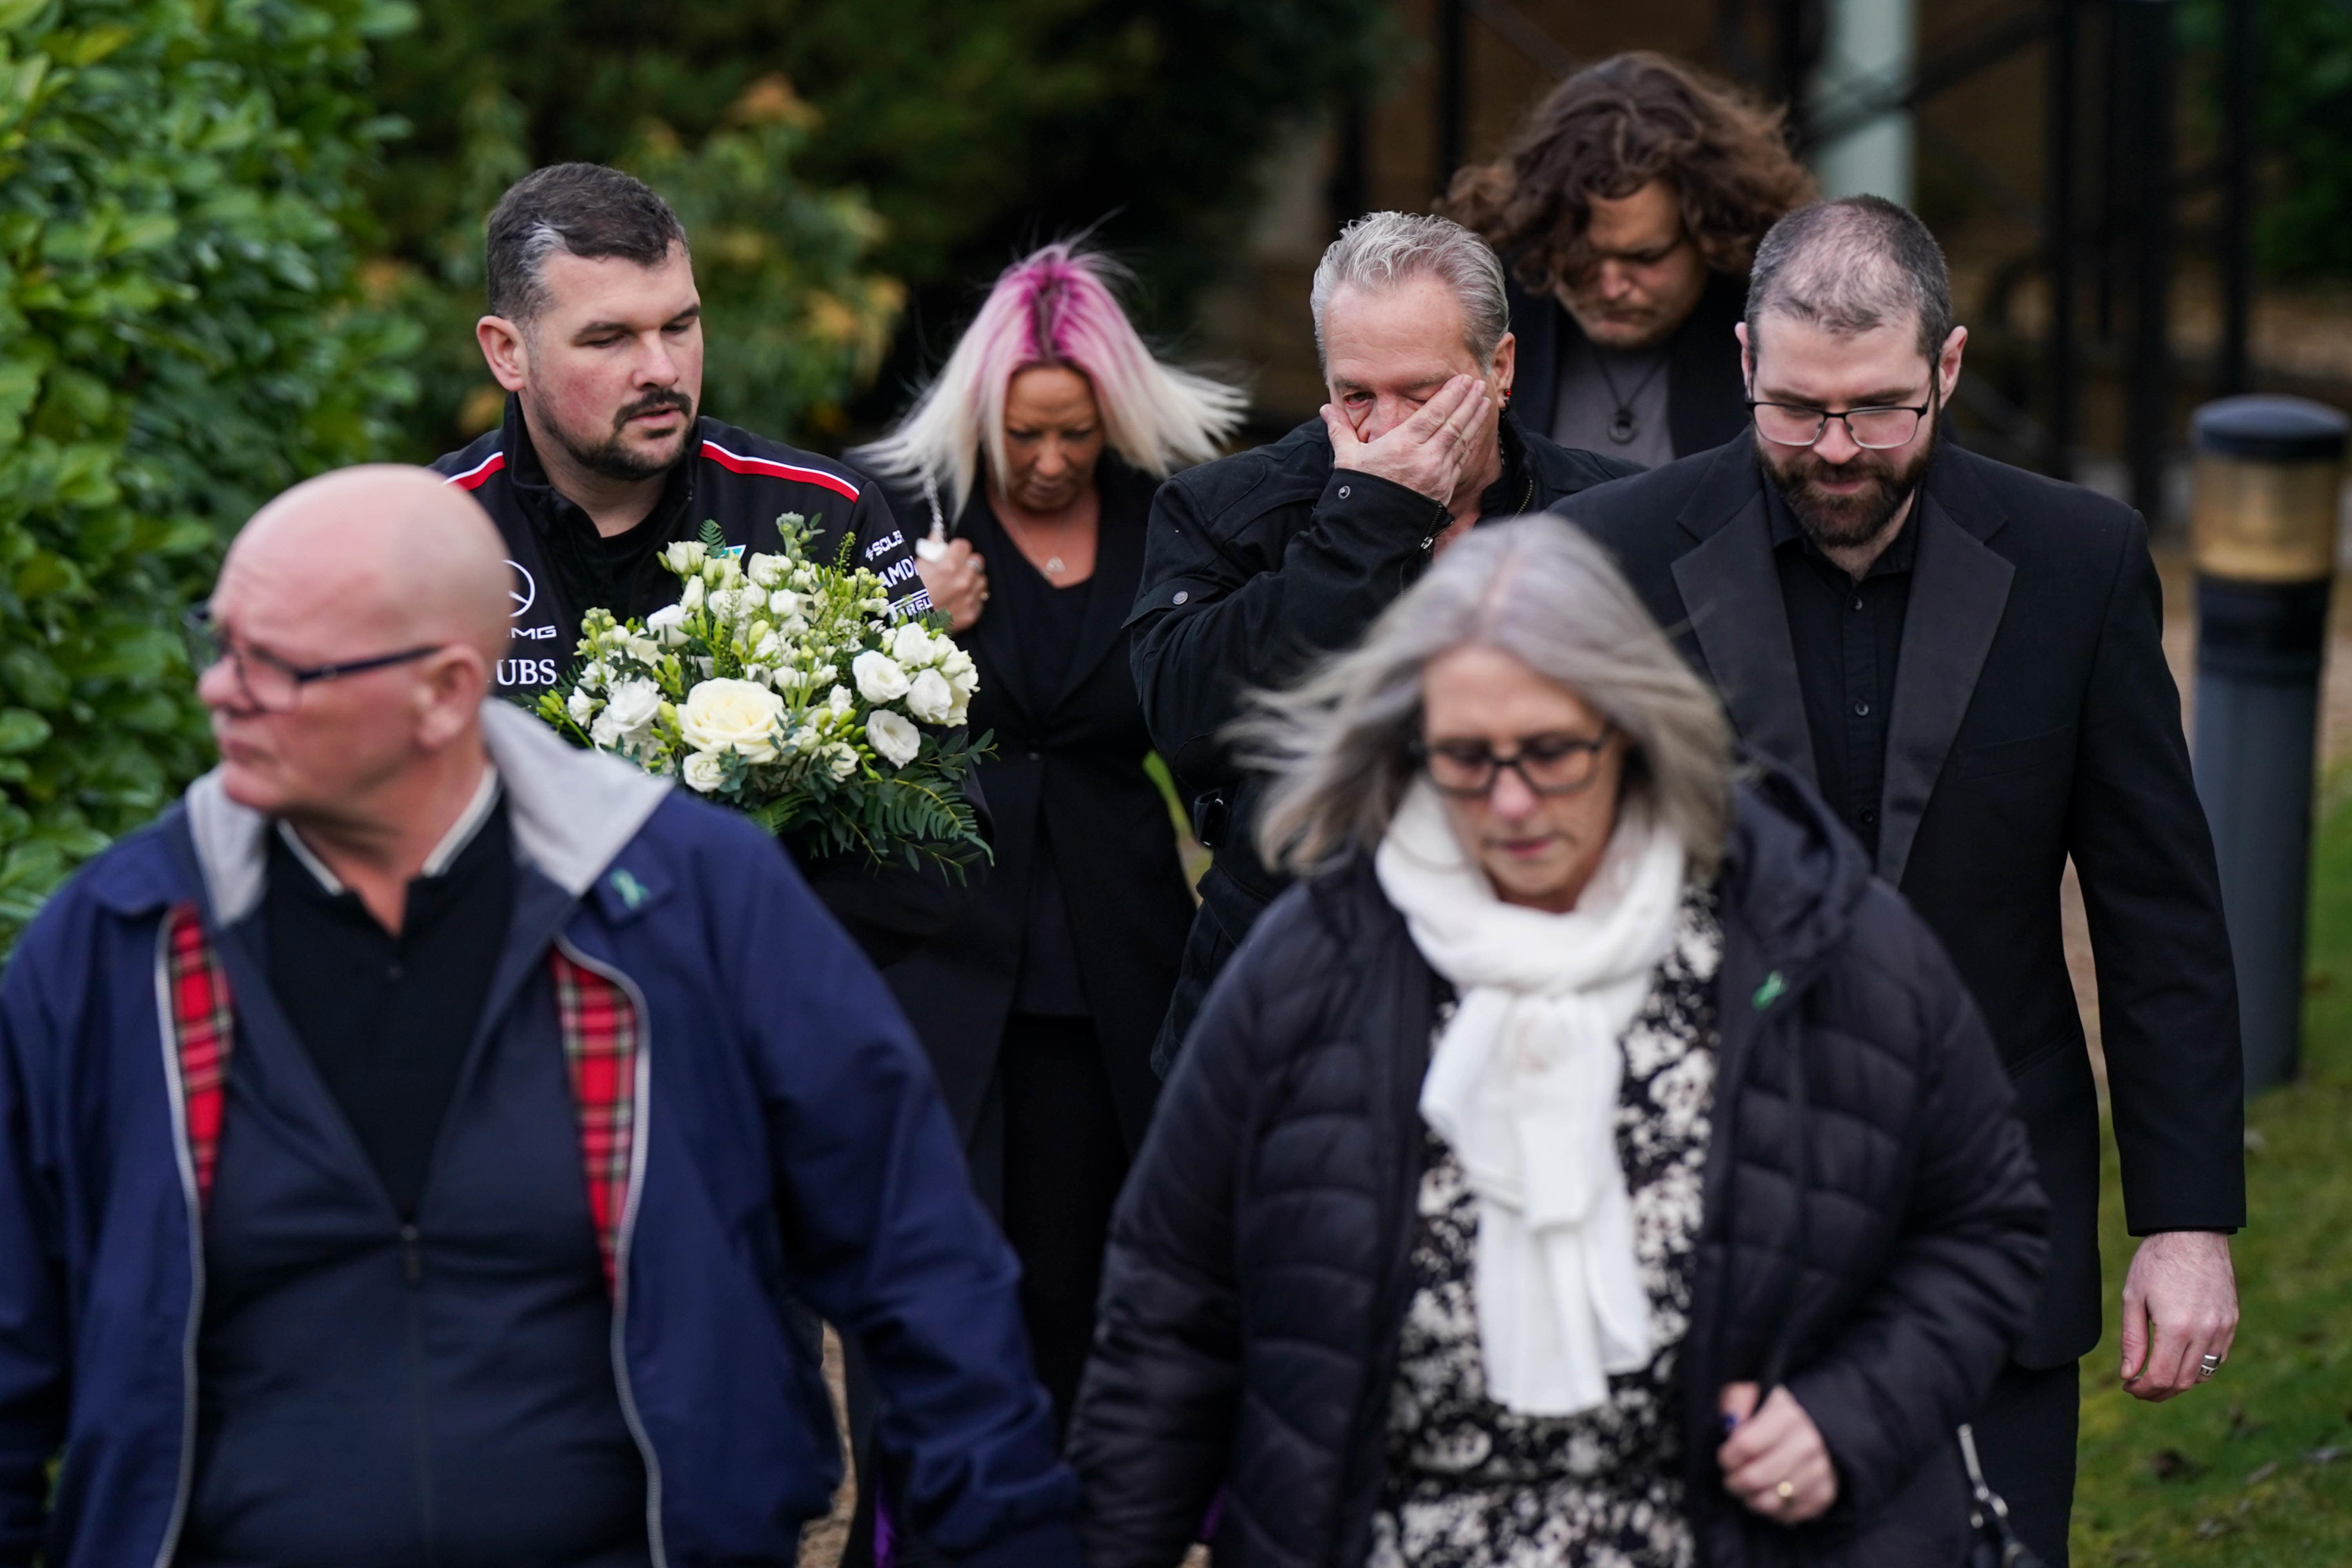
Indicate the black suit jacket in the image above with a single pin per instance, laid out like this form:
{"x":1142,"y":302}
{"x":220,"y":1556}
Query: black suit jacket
{"x":1068,"y":763}
{"x":2034,"y":719}
{"x":1706,"y":404}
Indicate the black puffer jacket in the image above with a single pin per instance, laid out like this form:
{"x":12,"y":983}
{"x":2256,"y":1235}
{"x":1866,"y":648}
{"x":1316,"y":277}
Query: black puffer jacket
{"x":1257,"y":1278}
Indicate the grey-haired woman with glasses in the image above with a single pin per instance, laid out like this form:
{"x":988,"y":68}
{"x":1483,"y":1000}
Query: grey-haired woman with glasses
{"x":1588,"y":1163}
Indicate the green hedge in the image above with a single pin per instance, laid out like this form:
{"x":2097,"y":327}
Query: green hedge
{"x":181,"y":336}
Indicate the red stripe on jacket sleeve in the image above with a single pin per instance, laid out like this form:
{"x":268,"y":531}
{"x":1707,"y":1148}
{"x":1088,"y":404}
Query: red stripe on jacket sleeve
{"x":736,"y":463}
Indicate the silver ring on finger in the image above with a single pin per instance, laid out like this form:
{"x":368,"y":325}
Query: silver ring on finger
{"x":2207,"y":1367}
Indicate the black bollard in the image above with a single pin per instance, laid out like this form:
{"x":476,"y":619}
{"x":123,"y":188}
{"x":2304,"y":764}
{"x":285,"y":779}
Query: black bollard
{"x":2262,"y":531}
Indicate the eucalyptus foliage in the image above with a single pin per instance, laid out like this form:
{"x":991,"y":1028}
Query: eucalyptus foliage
{"x":180,"y":337}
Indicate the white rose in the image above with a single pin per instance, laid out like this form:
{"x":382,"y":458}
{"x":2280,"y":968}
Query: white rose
{"x":690,"y":596}
{"x":687,"y":555}
{"x":667,"y":624}
{"x":930,"y":698}
{"x":738,"y":716}
{"x":703,"y":772}
{"x":581,"y":706}
{"x":635,"y":704}
{"x":879,"y":679}
{"x":911,"y":646}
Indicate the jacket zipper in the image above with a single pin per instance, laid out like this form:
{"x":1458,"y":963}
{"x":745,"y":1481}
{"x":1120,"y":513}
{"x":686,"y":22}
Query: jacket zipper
{"x":412,"y":1276}
{"x":186,"y":1161}
{"x":639,"y":1123}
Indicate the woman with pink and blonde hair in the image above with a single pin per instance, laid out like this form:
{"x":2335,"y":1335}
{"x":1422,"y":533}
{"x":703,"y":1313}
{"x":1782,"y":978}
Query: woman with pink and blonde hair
{"x":1031,"y":463}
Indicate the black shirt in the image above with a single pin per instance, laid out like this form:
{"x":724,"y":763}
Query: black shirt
{"x":1847,"y":637}
{"x":388,"y":1020}
{"x":1046,"y":621}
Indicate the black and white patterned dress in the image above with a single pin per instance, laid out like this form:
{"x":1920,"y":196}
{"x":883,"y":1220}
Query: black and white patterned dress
{"x":1471,"y":1485}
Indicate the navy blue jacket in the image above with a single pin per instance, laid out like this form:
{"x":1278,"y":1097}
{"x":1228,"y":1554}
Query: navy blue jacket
{"x":789,"y":1143}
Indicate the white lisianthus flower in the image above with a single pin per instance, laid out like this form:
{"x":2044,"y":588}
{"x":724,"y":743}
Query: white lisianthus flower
{"x":804,"y":739}
{"x":690,"y":596}
{"x":961,"y":673}
{"x":893,"y":737}
{"x":686,"y":555}
{"x":724,"y":603}
{"x":839,"y":700}
{"x":784,"y":602}
{"x":879,"y":679}
{"x":739,"y":716}
{"x":667,"y":624}
{"x":703,"y":772}
{"x":841,"y":760}
{"x":581,"y":706}
{"x":764,"y":650}
{"x":645,"y":650}
{"x":766,"y":571}
{"x":930,"y":698}
{"x":911,"y":646}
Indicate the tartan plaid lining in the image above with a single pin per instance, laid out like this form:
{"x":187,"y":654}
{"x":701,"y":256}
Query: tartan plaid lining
{"x":203,"y":1028}
{"x":600,"y":1047}
{"x":600,"y":1044}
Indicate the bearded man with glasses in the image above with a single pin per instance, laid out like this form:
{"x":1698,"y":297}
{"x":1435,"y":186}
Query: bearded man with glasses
{"x":1966,"y":660}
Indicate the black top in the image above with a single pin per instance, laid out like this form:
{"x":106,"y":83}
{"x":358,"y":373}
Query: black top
{"x":1075,"y":808}
{"x":388,"y":1019}
{"x":2034,"y":721}
{"x":1848,"y":637}
{"x":1045,"y":620}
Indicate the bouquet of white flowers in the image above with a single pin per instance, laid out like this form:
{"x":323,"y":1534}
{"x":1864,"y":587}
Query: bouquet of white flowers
{"x":785,"y":688}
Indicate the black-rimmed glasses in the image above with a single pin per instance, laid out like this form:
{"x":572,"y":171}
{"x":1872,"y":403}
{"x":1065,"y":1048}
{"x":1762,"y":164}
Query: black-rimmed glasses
{"x":1873,"y":429}
{"x":1548,"y":765}
{"x":264,"y":680}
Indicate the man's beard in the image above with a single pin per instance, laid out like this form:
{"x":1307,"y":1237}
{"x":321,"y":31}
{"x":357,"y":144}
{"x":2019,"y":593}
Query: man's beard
{"x":612,"y":457}
{"x":1847,"y":521}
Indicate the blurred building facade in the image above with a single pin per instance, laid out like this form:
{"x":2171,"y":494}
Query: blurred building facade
{"x":1965,"y":109}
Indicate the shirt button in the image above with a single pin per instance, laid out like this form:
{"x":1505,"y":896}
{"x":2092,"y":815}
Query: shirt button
{"x":1345,"y":491}
{"x":1867,"y":818}
{"x":1182,"y":596}
{"x":1861,"y":709}
{"x":1857,"y":601}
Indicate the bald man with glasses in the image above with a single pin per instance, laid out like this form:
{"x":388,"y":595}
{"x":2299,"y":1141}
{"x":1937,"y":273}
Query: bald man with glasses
{"x":418,"y":1146}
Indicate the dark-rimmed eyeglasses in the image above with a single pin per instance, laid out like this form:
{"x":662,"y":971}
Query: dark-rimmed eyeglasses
{"x":264,"y":680}
{"x":1871,"y":429}
{"x":1549,"y":766}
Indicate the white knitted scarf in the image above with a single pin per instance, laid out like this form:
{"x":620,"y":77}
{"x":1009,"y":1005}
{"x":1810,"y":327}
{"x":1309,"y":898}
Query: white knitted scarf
{"x":1523,"y":1087}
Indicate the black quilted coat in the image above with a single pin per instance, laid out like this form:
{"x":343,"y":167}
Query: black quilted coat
{"x":1257,"y":1278}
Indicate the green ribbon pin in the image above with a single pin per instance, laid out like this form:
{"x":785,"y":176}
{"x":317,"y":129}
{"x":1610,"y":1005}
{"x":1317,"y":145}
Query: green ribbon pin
{"x":632,"y":892}
{"x":1769,"y":992}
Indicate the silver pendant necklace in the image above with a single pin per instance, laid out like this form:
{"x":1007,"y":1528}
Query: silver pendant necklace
{"x":1624,"y":426}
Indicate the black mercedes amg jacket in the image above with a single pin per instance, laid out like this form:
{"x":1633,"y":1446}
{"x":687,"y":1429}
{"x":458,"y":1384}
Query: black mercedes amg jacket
{"x":741,"y":481}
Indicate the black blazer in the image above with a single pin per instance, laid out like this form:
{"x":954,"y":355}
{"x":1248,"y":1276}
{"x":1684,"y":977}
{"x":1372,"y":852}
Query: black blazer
{"x":1706,"y":403}
{"x":1069,"y":762}
{"x":2034,"y":719}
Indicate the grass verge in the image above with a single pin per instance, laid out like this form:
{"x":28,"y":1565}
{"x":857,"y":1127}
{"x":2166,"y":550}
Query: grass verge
{"x":2254,"y":1470}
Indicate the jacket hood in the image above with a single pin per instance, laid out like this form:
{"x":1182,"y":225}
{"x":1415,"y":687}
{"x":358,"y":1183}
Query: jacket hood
{"x":1790,"y":870}
{"x":572,"y":812}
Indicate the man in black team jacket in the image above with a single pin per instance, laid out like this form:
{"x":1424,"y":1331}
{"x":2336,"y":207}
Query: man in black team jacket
{"x":595,"y":330}
{"x":1965,"y":659}
{"x":1256,"y":564}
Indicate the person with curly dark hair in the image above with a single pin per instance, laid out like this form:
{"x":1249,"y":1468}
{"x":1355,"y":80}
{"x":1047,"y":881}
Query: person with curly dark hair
{"x":1627,"y":208}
